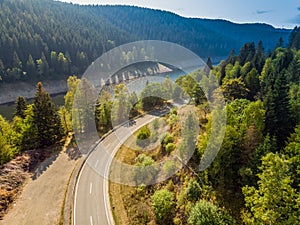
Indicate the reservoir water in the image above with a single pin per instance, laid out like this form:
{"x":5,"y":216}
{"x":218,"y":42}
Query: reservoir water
{"x":7,"y":109}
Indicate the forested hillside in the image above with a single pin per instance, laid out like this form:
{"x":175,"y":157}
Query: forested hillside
{"x":203,"y":36}
{"x":45,"y":39}
{"x":254,"y":179}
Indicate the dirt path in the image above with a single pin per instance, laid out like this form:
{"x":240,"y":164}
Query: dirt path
{"x":42,"y":198}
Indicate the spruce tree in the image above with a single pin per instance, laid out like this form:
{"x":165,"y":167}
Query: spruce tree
{"x":208,"y":66}
{"x":30,"y":68}
{"x":259,"y":57}
{"x":21,"y":106}
{"x":46,"y":118}
{"x":279,"y":122}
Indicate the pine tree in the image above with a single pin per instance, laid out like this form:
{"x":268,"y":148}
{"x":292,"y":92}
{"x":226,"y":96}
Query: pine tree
{"x":252,"y":83}
{"x":275,"y":201}
{"x":30,"y":68}
{"x":16,"y":61}
{"x":247,"y":53}
{"x":208,"y":66}
{"x":294,"y":40}
{"x":42,"y":66}
{"x":278,"y":112}
{"x":259,"y":57}
{"x":46,"y":118}
{"x":21,"y":106}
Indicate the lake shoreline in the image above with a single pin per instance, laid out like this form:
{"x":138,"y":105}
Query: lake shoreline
{"x":9,"y":92}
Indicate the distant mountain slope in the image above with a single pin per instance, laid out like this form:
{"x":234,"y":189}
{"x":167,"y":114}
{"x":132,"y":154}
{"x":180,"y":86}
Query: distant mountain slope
{"x":46,"y":39}
{"x":204,"y":36}
{"x":294,"y":41}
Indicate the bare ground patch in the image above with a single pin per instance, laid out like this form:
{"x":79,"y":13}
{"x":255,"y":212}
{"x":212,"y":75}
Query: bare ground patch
{"x":33,"y":186}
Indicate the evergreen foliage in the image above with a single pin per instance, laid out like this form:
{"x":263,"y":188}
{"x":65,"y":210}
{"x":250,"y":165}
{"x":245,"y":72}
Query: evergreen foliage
{"x":46,"y":118}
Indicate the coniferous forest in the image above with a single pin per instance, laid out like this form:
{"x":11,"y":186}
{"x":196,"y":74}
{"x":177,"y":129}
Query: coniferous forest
{"x":45,"y":39}
{"x":255,"y":177}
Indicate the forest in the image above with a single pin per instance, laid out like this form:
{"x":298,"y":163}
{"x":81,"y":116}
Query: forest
{"x":255,"y":176}
{"x":44,"y":39}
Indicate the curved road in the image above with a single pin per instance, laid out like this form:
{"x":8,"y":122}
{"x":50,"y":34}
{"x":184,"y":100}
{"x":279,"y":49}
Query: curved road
{"x":91,"y":200}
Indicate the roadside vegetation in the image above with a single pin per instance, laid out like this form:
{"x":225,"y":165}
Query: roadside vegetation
{"x":255,"y":176}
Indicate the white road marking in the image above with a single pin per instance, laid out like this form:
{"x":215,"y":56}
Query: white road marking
{"x":97,"y":163}
{"x":105,"y":185}
{"x":91,"y":220}
{"x":91,"y":187}
{"x":76,"y":190}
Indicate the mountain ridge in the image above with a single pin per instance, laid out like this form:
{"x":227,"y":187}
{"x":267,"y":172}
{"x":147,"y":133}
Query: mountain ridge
{"x":46,"y":39}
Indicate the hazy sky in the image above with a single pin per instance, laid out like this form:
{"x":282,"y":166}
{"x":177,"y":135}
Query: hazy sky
{"x":279,"y":13}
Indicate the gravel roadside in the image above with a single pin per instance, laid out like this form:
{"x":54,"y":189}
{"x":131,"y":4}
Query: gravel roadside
{"x":42,"y":198}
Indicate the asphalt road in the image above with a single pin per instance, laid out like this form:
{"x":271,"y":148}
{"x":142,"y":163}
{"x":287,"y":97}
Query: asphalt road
{"x":91,"y":200}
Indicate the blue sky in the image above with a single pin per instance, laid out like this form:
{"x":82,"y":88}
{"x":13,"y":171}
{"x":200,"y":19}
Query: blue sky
{"x":279,"y":13}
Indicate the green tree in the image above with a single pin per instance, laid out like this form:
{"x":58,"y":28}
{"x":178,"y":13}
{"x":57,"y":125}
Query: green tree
{"x":30,"y":68}
{"x":83,"y":107}
{"x":279,"y":121}
{"x":122,"y":106}
{"x":294,"y":96}
{"x":143,"y":136}
{"x":72,"y":82}
{"x":233,"y":71}
{"x":168,"y":86}
{"x":247,"y":53}
{"x":7,"y":151}
{"x":16,"y":61}
{"x":103,"y":116}
{"x":252,"y":83}
{"x":245,"y":69}
{"x":234,"y":89}
{"x":294,"y":68}
{"x":208,"y":66}
{"x":198,"y":95}
{"x":206,"y":213}
{"x":153,"y":95}
{"x":275,"y":201}
{"x":65,"y":119}
{"x":168,"y":138}
{"x":259,"y":57}
{"x":294,"y":40}
{"x":46,"y":117}
{"x":26,"y":130}
{"x":145,"y":169}
{"x":293,"y":154}
{"x":63,"y":64}
{"x":42,"y":66}
{"x":163,"y":204}
{"x":21,"y":106}
{"x":170,"y":147}
{"x":193,"y":191}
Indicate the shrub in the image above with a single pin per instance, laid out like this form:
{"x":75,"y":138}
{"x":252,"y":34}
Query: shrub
{"x":163,"y":204}
{"x":206,"y":213}
{"x":193,"y":191}
{"x":143,"y":136}
{"x":170,"y":147}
